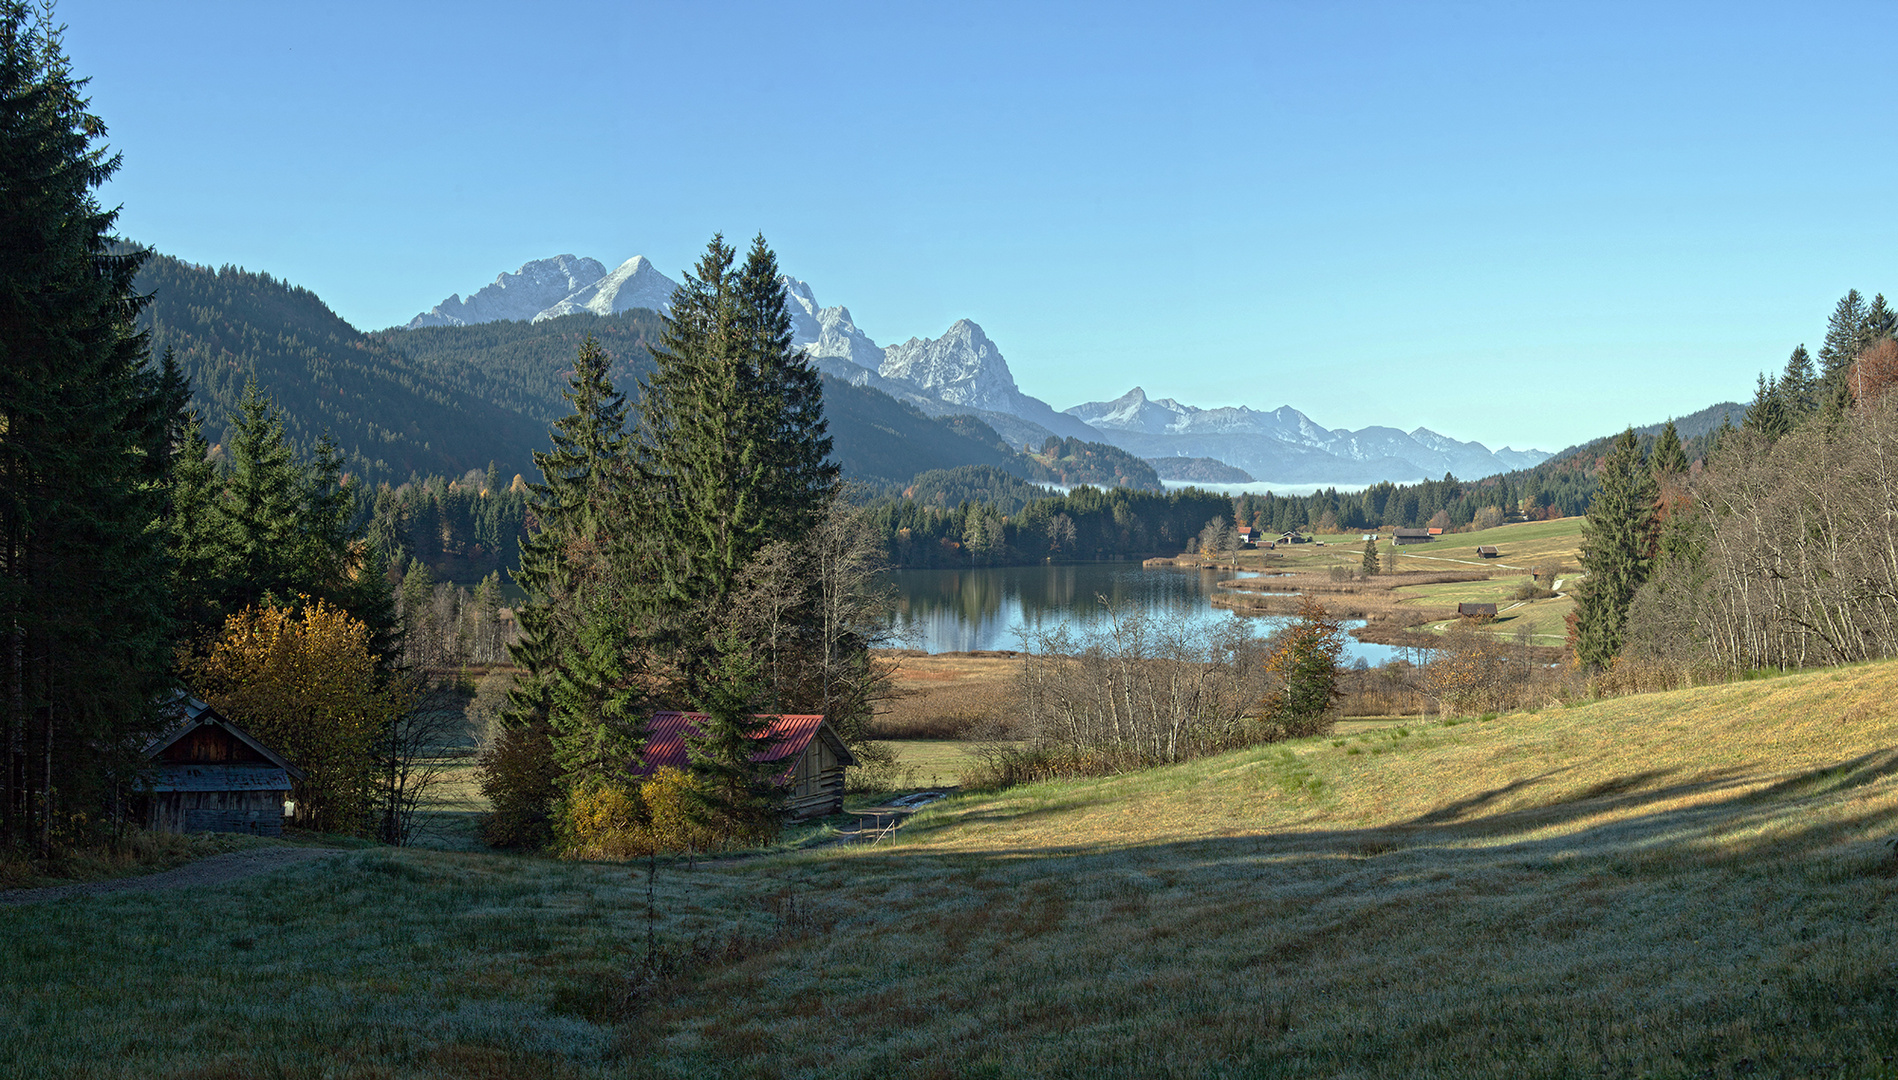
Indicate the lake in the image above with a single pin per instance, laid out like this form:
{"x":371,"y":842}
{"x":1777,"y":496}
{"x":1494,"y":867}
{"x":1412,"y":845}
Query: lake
{"x":969,"y":610}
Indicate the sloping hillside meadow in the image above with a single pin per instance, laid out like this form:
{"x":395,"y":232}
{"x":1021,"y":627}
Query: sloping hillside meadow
{"x":1697,"y":883}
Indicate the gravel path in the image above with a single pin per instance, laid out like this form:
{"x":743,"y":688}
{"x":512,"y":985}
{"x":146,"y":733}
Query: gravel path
{"x":215,"y":870}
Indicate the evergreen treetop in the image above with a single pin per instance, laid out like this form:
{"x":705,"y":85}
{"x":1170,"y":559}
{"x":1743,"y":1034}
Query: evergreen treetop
{"x":1668,"y":458}
{"x":1845,"y":336}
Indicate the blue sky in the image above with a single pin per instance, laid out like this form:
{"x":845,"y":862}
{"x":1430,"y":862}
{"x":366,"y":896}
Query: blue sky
{"x":1527,"y":224}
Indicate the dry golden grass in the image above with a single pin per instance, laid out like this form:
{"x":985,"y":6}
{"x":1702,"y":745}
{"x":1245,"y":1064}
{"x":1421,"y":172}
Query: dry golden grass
{"x":948,"y":695}
{"x":1695,"y":883}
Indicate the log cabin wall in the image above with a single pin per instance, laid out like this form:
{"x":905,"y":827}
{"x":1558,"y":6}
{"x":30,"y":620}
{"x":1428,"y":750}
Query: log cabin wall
{"x":816,"y":787}
{"x":257,"y":812}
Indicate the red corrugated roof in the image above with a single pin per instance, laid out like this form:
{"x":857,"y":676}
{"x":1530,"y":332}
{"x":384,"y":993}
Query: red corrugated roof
{"x":667,"y":731}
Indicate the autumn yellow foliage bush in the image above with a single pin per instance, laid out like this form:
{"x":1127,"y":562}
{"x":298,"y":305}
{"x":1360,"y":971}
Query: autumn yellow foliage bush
{"x":303,"y":681}
{"x":606,"y":820}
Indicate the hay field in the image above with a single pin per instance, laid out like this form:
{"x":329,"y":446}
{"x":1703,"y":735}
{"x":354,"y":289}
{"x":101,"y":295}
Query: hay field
{"x":1696,"y":883}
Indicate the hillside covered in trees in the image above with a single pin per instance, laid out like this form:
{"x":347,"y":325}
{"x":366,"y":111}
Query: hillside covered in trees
{"x":441,"y":401}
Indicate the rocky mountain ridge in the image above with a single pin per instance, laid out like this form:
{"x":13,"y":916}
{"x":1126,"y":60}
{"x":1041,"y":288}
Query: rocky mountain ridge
{"x":964,"y":372}
{"x":1287,"y":446}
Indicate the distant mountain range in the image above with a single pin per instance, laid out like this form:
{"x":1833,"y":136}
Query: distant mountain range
{"x":1285,"y":445}
{"x":963,"y":372}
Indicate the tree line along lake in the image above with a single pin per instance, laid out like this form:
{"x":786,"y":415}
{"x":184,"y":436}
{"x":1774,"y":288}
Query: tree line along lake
{"x":985,"y":608}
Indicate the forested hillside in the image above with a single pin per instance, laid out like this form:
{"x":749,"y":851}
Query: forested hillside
{"x":523,"y":367}
{"x":1071,"y":462}
{"x":388,"y":415}
{"x":441,"y":401}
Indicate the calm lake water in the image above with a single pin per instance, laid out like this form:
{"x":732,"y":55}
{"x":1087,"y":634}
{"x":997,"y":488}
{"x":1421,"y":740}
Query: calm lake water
{"x":968,"y":610}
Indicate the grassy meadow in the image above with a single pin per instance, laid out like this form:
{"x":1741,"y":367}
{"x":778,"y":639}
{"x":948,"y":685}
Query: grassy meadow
{"x":1696,"y":883}
{"x":1393,"y":604}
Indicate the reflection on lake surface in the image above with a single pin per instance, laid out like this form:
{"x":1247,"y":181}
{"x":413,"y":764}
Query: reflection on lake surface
{"x":969,"y":610}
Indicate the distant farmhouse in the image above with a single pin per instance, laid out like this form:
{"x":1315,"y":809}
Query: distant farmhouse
{"x":813,"y":757}
{"x":1476,"y":612}
{"x":209,"y":775}
{"x":1488,"y":552}
{"x":1410,"y":536}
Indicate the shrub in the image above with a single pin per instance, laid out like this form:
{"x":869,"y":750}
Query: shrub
{"x":521,"y":780}
{"x":1529,"y":590}
{"x":603,"y":820}
{"x":607,"y":820}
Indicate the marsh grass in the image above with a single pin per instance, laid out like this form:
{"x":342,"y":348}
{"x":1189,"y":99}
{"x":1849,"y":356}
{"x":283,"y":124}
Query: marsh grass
{"x":947,"y":696}
{"x":1696,"y":883}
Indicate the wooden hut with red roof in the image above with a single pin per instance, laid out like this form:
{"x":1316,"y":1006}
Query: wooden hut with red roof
{"x":813,"y":755}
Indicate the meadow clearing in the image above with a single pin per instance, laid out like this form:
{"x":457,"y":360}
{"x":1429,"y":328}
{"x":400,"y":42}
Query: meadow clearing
{"x":1419,"y":586}
{"x":1693,"y":883}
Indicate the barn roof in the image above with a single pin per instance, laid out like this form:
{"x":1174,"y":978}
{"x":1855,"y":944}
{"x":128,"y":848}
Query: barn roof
{"x":193,"y":714}
{"x":221,"y":778}
{"x":667,"y":731}
{"x":1476,"y":609}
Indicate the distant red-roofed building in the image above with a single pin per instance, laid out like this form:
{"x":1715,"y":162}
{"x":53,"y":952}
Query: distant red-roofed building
{"x":813,"y":755}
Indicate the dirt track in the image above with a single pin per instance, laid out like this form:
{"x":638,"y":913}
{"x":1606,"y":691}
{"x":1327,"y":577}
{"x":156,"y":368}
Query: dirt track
{"x":215,"y":870}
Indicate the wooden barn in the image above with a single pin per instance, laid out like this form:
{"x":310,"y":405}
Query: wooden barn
{"x":814,"y":757}
{"x":1478,"y":612}
{"x":1410,"y":536}
{"x":209,"y":775}
{"x":1489,"y":552}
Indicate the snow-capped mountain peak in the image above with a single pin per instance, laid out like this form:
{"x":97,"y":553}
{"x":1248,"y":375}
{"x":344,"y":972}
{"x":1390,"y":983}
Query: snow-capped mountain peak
{"x":635,"y":283}
{"x":962,"y":367}
{"x":518,"y":296}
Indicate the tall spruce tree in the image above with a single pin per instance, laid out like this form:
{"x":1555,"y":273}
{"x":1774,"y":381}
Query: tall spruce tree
{"x":265,"y":527}
{"x":1768,"y":413}
{"x":1669,"y":458}
{"x":86,"y":430}
{"x":1881,"y":322}
{"x":579,"y":629}
{"x":1845,"y":336}
{"x":1799,"y":386}
{"x":731,"y":443}
{"x":1618,"y":547}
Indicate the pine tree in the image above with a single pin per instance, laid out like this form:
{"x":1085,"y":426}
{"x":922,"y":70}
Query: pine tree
{"x":1369,"y":565}
{"x":1881,"y":323}
{"x":731,"y":442}
{"x":1618,"y":543}
{"x":579,"y":630}
{"x":1799,"y":386}
{"x":88,"y":426}
{"x":1668,"y":459}
{"x":786,"y":417}
{"x":1768,"y":414}
{"x":1845,"y":336}
{"x":266,"y":528}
